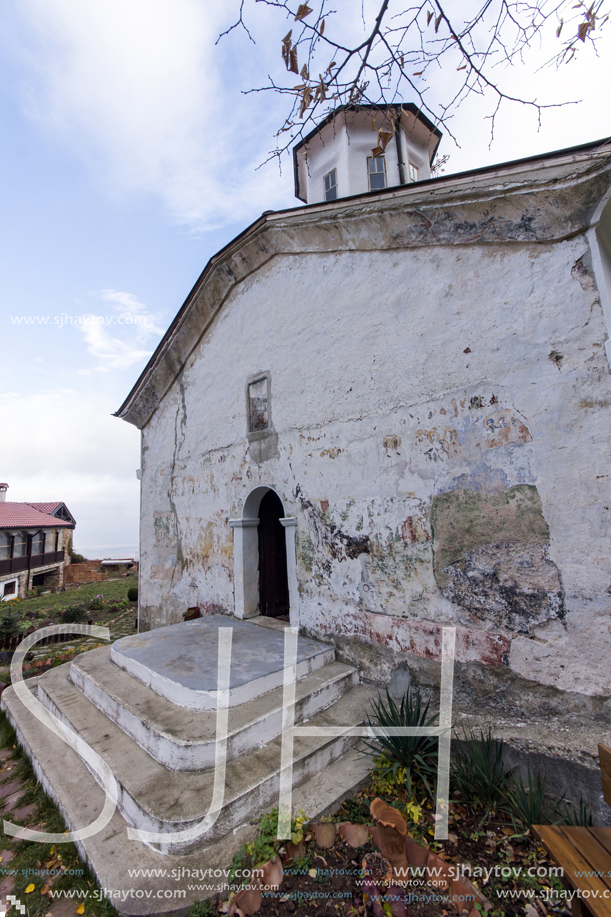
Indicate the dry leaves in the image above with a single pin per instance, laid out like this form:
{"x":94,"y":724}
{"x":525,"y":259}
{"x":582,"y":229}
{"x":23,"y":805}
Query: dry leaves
{"x":303,"y":11}
{"x":289,"y":53}
{"x":324,"y":833}
{"x":306,"y":98}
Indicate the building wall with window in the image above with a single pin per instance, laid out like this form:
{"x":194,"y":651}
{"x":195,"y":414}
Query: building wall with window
{"x":33,"y":547}
{"x":339,"y":158}
{"x":421,"y":379}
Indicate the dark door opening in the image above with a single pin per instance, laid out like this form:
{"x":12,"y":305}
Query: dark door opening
{"x":273,"y":581}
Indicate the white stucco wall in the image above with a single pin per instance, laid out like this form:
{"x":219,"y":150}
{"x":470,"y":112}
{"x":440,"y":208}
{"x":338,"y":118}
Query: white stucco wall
{"x":347,"y":142}
{"x":398,"y":378}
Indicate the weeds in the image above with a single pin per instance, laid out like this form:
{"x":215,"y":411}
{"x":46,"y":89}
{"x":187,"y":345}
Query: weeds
{"x":203,"y":909}
{"x":266,"y":844}
{"x":575,"y":817}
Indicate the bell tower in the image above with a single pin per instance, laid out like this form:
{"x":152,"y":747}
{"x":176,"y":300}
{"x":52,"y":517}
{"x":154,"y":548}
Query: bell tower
{"x":361,"y":148}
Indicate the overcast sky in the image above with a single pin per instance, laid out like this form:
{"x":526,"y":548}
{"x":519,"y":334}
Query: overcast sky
{"x":128,"y":157}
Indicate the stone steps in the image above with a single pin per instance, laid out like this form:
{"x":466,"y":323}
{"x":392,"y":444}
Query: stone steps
{"x":153,"y":800}
{"x":155,"y":730}
{"x":183,"y":739}
{"x":131,"y":872}
{"x":179,"y":662}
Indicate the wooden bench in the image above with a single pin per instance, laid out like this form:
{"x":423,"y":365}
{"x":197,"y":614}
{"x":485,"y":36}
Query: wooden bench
{"x":585,"y":855}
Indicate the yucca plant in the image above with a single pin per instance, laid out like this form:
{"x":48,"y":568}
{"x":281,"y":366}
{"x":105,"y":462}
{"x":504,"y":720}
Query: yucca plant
{"x":416,"y":753}
{"x":527,"y":802}
{"x":478,"y":770}
{"x":575,"y":817}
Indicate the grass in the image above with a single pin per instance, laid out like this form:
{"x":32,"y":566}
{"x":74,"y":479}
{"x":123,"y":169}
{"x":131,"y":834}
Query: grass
{"x":46,"y":609}
{"x":35,"y":863}
{"x":49,"y":605}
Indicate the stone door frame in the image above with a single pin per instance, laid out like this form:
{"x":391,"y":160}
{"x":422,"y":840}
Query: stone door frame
{"x":246,"y":558}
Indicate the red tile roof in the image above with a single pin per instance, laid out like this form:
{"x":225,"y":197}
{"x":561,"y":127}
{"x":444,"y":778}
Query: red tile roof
{"x":46,"y":507}
{"x":25,"y":515}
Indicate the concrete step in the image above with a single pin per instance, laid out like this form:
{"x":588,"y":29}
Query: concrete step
{"x":180,"y":661}
{"x":139,"y":880}
{"x":183,"y":739}
{"x":154,"y":799}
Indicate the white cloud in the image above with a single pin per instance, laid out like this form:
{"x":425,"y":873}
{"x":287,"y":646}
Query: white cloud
{"x":139,"y":90}
{"x":134,"y":87}
{"x":70,"y":448}
{"x":132,"y":326}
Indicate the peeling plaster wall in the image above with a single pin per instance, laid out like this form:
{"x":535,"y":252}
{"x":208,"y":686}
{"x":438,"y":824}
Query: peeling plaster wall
{"x":442,"y":422}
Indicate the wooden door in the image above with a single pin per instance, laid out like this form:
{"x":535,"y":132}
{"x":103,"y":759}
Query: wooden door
{"x":273,"y":582}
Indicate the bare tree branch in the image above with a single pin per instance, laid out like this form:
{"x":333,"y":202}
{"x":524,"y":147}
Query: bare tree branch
{"x":404,"y":43}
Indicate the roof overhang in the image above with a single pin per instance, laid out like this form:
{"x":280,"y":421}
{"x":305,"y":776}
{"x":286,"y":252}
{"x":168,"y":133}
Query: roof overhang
{"x":540,"y":199}
{"x":412,"y":120}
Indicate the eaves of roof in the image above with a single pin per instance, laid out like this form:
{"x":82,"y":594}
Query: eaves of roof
{"x":407,"y":106}
{"x":400,"y":108}
{"x":26,"y":516}
{"x":517,"y":174}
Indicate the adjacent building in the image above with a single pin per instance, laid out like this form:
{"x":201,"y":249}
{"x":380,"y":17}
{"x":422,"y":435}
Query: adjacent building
{"x":34,"y":539}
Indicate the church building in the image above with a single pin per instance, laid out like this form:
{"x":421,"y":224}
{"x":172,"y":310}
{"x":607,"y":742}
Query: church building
{"x":378,"y":415}
{"x":387,"y":410}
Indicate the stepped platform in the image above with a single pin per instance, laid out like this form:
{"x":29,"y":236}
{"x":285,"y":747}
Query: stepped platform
{"x":162,"y":753}
{"x":180,"y":662}
{"x":181,"y":739}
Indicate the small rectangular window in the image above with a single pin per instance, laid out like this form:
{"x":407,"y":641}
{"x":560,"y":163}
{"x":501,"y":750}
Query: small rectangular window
{"x":331,"y":185}
{"x":412,"y":171}
{"x":9,"y":588}
{"x":376,"y":167}
{"x":258,"y":405}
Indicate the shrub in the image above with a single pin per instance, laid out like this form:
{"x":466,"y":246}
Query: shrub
{"x":416,"y":753}
{"x":10,"y":625}
{"x":528,"y":805}
{"x":75,"y":614}
{"x":9,"y":603}
{"x":132,"y":594}
{"x":478,"y":770}
{"x":116,"y":607}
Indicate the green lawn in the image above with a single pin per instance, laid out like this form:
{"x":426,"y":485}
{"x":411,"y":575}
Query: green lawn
{"x":113,"y":611}
{"x":48,"y":605}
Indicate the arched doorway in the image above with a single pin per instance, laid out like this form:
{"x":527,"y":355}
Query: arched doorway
{"x":273,"y":582}
{"x":251,"y":556}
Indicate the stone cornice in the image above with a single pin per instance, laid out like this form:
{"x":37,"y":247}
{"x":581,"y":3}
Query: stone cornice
{"x":538,"y":201}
